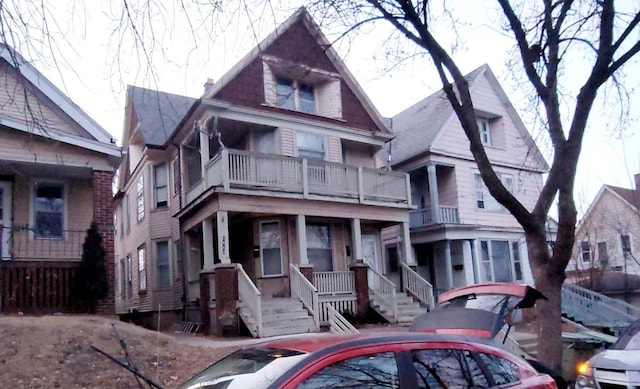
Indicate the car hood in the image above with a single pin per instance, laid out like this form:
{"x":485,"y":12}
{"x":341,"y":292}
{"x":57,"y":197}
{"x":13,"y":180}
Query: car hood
{"x":616,"y":360}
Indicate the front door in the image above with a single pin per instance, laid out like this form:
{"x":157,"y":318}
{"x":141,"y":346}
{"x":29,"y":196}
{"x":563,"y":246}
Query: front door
{"x":371,"y":256}
{"x":5,"y":219}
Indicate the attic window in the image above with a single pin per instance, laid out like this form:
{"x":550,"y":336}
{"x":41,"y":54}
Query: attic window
{"x":491,"y":129}
{"x":299,"y":88}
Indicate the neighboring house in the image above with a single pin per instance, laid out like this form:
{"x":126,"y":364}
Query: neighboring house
{"x":262,"y":196}
{"x":607,"y":245}
{"x":56,"y":175}
{"x":460,"y":234}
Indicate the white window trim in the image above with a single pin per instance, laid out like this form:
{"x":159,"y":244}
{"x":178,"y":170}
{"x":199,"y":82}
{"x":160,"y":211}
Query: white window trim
{"x":142,"y":270}
{"x":484,"y":128}
{"x":262,"y":258}
{"x":325,"y":143}
{"x":32,"y":207}
{"x":486,"y":195}
{"x":295,"y":85}
{"x":155,"y":186}
{"x":490,"y":253}
{"x":139,"y":216}
{"x":169,"y":263}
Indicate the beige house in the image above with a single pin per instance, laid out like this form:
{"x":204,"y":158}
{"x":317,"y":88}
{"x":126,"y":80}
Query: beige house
{"x":460,"y":234}
{"x":259,"y":204}
{"x":56,"y":174}
{"x":606,"y":256}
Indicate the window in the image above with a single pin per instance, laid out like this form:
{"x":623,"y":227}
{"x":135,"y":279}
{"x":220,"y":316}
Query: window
{"x":140,"y":197}
{"x":603,"y":254}
{"x":625,"y":243}
{"x":503,"y":372}
{"x":442,"y":368}
{"x":123,"y":278}
{"x":309,"y":145}
{"x":270,"y":253}
{"x":49,"y":210}
{"x":163,"y":270}
{"x":176,"y":176}
{"x":295,"y":95}
{"x":485,"y":131}
{"x":127,"y":211}
{"x":142,"y":273}
{"x":179,"y":261}
{"x":484,"y":200}
{"x":366,"y":371}
{"x":585,"y":250}
{"x":160,"y":188}
{"x":500,"y":261}
{"x":129,"y":275}
{"x":319,"y":247}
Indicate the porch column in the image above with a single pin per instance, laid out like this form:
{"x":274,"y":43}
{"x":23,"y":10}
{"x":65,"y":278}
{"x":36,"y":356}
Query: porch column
{"x":223,"y":236}
{"x":467,"y":256}
{"x":405,"y":237}
{"x":207,"y":243}
{"x":474,"y":260}
{"x":447,"y":259}
{"x":301,"y":232}
{"x":356,"y":241}
{"x":433,"y":192}
{"x":204,"y":153}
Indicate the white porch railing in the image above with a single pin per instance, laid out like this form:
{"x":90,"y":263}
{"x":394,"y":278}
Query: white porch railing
{"x":303,"y":289}
{"x":423,"y":216}
{"x":345,"y":303}
{"x":334,"y":283}
{"x":338,"y":324}
{"x":385,"y":290}
{"x":417,"y":286}
{"x":250,"y":297}
{"x":245,"y":169}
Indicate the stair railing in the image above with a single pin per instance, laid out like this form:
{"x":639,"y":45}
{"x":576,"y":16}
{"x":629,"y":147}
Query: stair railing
{"x":338,"y":324}
{"x":417,"y":286}
{"x":250,"y":297}
{"x":304,"y":290}
{"x":594,"y":308}
{"x":382,"y":288}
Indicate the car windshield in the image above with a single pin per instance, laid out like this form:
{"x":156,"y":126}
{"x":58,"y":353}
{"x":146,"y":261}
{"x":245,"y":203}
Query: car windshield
{"x":253,"y":368}
{"x":629,"y":339}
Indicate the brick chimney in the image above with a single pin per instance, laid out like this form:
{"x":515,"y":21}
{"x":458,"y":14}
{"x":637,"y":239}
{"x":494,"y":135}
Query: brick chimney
{"x":636,"y":178}
{"x":207,"y":85}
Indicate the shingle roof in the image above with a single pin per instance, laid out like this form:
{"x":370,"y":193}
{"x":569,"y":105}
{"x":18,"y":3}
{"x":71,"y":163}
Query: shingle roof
{"x":158,"y":113}
{"x":416,"y":127}
{"x":630,"y":195}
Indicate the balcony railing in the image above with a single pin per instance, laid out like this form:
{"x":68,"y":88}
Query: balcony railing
{"x":25,"y":243}
{"x":423,"y":217}
{"x":249,"y":170}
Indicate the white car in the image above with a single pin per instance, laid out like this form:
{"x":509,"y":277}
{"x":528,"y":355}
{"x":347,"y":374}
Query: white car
{"x":615,"y":368}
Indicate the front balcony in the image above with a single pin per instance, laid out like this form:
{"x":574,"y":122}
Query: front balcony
{"x":238,"y":169}
{"x":424,"y":217}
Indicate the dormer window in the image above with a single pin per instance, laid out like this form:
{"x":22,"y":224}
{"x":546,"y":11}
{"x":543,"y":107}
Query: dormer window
{"x":292,"y":94}
{"x":485,"y":131}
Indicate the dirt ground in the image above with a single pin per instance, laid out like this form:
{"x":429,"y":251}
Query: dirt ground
{"x":55,"y":352}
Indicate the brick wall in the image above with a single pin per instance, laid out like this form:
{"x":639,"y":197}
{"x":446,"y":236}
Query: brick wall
{"x":103,"y":217}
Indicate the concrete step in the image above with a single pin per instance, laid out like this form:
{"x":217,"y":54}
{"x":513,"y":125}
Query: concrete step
{"x":282,"y":316}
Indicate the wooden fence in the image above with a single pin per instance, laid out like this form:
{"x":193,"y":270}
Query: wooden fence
{"x":37,"y":287}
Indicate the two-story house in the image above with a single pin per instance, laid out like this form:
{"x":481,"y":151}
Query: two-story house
{"x":460,"y":234}
{"x":56,"y":174}
{"x":270,"y":192}
{"x":605,"y":258}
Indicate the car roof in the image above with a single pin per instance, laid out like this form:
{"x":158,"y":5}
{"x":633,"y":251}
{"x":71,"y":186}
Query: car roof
{"x":315,"y":342}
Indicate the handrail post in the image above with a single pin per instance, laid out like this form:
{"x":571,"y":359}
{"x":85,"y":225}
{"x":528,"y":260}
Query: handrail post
{"x":305,"y":178}
{"x":225,"y":170}
{"x":360,"y":184}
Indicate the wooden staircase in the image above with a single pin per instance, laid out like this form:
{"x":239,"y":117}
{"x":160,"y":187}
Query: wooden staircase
{"x":280,"y":316}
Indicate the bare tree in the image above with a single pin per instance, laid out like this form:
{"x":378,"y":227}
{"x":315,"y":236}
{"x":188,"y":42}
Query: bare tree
{"x":546,"y":33}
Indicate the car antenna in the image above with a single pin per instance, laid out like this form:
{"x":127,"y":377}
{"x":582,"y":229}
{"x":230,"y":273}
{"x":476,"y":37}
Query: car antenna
{"x":129,"y":365}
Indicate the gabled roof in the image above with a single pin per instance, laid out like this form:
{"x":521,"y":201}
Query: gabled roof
{"x":101,"y":141}
{"x":314,"y":30}
{"x":630,"y":197}
{"x":418,"y":127}
{"x":158,"y":113}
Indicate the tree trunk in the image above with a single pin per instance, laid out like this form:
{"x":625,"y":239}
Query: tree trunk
{"x":548,"y":312}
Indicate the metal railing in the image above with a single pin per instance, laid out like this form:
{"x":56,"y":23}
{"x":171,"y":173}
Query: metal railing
{"x":334,"y":283}
{"x":417,"y":286}
{"x":304,"y":290}
{"x":593,"y":308}
{"x":245,"y":169}
{"x":29,"y":243}
{"x":250,"y":297}
{"x":338,"y":324}
{"x":383,"y":289}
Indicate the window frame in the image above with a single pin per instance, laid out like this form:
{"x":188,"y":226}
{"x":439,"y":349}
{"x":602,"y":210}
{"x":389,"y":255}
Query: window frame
{"x":140,"y":206}
{"x":262,"y":248}
{"x":330,"y":248}
{"x":157,"y":283}
{"x":629,"y":249}
{"x":176,"y":174}
{"x":33,"y":214}
{"x":142,"y":269}
{"x":157,"y":188}
{"x":484,"y":197}
{"x":487,"y":261}
{"x":585,"y":251}
{"x":129,"y":275}
{"x":603,"y":253}
{"x":296,"y":100}
{"x":308,"y":151}
{"x":484,"y":128}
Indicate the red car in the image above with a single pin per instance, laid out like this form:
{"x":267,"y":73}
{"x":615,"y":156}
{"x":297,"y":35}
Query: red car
{"x":371,"y":360}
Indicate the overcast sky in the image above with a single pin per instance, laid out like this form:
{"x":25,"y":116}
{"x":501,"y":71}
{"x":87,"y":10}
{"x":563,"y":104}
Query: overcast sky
{"x":100,"y":60}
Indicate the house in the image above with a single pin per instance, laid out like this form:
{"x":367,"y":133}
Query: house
{"x":460,"y":234}
{"x":259,"y":204}
{"x":56,"y":173}
{"x":606,"y":257}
